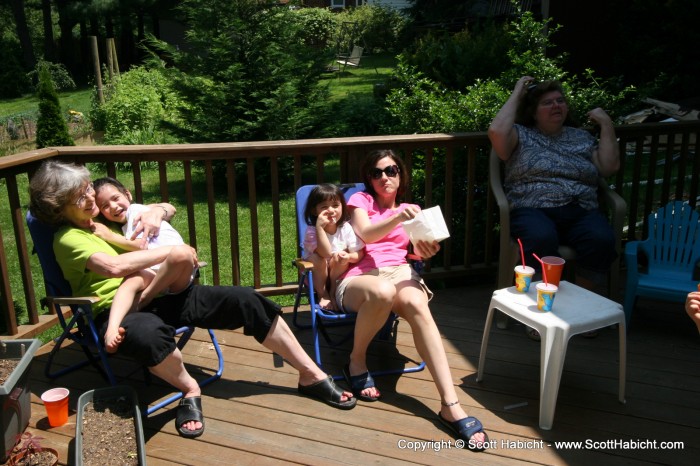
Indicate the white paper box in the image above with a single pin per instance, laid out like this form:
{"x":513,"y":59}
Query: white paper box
{"x":428,"y":225}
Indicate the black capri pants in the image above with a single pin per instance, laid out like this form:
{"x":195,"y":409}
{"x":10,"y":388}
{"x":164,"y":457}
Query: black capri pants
{"x":150,"y":333}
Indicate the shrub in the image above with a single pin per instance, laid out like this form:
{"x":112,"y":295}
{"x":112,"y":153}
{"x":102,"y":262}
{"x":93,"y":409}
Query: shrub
{"x":51,"y":126}
{"x":13,"y":80}
{"x":60,"y":76}
{"x":318,"y":26}
{"x":422,"y":104}
{"x":458,"y":60}
{"x":375,"y":27}
{"x":359,"y":115}
{"x":247,"y":73}
{"x":138,"y":105}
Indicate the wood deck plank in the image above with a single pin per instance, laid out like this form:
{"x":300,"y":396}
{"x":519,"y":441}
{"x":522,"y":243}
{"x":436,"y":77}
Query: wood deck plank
{"x":255,"y":416}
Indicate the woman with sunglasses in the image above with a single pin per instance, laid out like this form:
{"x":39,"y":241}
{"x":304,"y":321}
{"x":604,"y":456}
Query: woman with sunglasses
{"x":383,"y":281}
{"x":551,"y":177}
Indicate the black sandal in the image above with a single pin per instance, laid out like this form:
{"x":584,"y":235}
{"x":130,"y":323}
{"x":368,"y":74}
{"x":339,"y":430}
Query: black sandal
{"x":465,"y":429}
{"x":360,"y":382}
{"x":327,"y":391}
{"x":189,"y":409}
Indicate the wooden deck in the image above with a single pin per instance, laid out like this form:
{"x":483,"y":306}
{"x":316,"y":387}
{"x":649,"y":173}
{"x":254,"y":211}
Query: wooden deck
{"x":253,"y":414}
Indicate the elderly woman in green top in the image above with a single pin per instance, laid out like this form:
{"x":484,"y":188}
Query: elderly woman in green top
{"x":62,"y":196}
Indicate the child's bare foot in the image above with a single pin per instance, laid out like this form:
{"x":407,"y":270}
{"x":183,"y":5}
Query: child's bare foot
{"x":113,"y":340}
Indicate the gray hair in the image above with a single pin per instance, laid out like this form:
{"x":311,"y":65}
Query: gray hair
{"x":53,"y":187}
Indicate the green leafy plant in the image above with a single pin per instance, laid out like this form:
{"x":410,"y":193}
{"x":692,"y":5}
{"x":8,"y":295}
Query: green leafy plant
{"x":458,"y":60}
{"x":13,"y":80}
{"x":375,"y":27}
{"x":422,"y":104}
{"x":60,"y":76}
{"x":140,"y":102}
{"x":51,"y":126}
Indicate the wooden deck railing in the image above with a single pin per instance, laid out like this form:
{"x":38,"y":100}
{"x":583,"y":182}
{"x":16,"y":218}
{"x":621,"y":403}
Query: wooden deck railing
{"x":215,"y":186}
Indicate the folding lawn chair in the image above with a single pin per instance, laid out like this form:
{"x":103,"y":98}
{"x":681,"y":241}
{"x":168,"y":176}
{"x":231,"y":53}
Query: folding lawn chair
{"x":322,"y":319}
{"x":81,"y":327}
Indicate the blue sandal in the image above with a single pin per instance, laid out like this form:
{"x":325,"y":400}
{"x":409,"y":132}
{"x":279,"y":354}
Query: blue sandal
{"x":465,"y":429}
{"x":358,"y":383}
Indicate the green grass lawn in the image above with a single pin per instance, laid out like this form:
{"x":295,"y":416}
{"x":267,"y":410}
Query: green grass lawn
{"x":151,"y":190}
{"x":353,"y":81}
{"x":78,"y":100}
{"x":343,"y":85}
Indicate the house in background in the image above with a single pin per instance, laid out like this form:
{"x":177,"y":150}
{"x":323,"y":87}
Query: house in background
{"x":336,"y":4}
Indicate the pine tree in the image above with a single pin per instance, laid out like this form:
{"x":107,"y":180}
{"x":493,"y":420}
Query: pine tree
{"x":51,"y":127}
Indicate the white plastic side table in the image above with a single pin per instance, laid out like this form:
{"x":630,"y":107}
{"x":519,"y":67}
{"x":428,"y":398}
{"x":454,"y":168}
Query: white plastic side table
{"x":575,"y":311}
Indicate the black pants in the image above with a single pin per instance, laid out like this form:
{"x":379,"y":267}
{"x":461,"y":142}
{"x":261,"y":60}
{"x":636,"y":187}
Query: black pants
{"x":150,"y":333}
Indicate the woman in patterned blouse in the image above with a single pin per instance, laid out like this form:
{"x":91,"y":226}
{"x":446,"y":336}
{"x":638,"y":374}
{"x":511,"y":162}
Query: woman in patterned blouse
{"x":551,"y":173}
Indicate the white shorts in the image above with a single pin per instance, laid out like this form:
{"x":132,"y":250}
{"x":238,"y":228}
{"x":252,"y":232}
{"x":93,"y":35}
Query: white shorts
{"x":395,"y":274}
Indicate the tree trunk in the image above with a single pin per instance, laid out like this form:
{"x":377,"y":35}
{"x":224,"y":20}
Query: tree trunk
{"x":49,"y":46}
{"x":66,"y":24}
{"x":23,"y":33}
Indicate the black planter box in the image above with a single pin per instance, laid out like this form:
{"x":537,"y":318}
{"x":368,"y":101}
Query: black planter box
{"x":14,"y":393}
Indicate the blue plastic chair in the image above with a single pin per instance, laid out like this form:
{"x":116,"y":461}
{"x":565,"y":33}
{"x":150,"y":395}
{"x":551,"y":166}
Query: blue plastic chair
{"x":672,"y":250}
{"x":322,"y":319}
{"x":81,"y":327}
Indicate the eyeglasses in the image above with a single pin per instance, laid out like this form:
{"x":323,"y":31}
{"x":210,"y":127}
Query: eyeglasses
{"x":391,"y":171}
{"x":89,"y":191}
{"x":550,"y":102}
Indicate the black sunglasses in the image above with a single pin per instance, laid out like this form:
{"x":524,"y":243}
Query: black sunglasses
{"x":391,"y":171}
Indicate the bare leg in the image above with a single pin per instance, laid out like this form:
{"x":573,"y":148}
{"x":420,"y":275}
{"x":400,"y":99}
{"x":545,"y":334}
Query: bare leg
{"x":336,"y":269}
{"x":372,"y":297}
{"x":124,"y":302}
{"x":412,"y":304}
{"x":320,"y":279}
{"x":282,"y":341}
{"x":172,"y":370}
{"x":175,"y":274}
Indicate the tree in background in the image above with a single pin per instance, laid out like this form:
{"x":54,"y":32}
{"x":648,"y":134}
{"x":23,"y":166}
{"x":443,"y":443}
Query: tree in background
{"x":247,"y":73}
{"x":51,"y":126}
{"x":425,"y":105}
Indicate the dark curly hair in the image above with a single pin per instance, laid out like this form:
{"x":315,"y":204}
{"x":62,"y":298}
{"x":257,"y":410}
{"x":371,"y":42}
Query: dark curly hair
{"x":527,"y":108}
{"x":325,"y":192}
{"x":108,"y":180}
{"x":370,"y":163}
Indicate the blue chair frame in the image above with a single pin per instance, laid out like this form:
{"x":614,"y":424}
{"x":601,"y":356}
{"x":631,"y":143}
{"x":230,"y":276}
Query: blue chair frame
{"x":81,"y":327}
{"x":672,"y":250}
{"x":322,"y":318}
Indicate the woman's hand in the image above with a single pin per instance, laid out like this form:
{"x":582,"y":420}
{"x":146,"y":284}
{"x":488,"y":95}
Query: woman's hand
{"x":520,"y":88}
{"x":148,"y":222}
{"x":692,"y":307}
{"x":195,"y":259}
{"x":408,"y":213}
{"x":599,"y":117}
{"x":426,"y":249}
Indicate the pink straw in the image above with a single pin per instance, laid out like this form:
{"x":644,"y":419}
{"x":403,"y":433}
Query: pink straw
{"x":522,"y":254}
{"x":544,"y":274}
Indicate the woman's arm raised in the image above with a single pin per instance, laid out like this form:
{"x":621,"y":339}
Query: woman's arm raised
{"x":372,"y":232}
